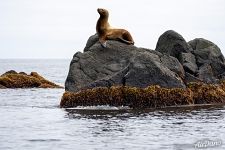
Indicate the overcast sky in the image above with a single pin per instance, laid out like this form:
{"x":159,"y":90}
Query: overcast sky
{"x":59,"y":28}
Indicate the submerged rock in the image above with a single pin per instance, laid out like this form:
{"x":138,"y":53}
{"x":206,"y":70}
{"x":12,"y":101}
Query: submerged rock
{"x":12,"y":79}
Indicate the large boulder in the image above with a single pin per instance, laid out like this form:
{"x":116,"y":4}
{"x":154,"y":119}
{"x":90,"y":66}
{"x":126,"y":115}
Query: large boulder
{"x":208,"y":54}
{"x":121,"y":64}
{"x":173,"y":44}
{"x":201,"y":59}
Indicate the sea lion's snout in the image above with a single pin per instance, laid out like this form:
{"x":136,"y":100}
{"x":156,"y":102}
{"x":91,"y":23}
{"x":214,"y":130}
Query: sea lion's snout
{"x":102,"y":11}
{"x":99,"y":10}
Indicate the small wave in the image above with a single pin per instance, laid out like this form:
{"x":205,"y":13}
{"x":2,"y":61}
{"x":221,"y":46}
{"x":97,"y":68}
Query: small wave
{"x":102,"y":107}
{"x":44,"y":140}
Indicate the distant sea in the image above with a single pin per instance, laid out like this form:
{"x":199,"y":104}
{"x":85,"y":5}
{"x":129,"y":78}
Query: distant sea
{"x":30,"y":119}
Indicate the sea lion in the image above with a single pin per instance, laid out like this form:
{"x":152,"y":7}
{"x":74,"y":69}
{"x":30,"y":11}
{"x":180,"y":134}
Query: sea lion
{"x":106,"y":32}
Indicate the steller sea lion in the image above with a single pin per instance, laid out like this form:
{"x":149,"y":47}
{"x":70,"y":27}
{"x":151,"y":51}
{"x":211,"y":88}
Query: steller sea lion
{"x":106,"y":32}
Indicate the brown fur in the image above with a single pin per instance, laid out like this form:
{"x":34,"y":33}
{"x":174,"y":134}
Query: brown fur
{"x":106,"y":32}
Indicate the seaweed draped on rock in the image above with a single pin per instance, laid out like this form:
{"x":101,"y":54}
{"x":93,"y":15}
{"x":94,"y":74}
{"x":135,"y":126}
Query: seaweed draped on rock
{"x":12,"y":79}
{"x":122,"y":64}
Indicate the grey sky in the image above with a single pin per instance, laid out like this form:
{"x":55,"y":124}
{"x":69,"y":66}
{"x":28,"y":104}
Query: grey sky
{"x":59,"y":28}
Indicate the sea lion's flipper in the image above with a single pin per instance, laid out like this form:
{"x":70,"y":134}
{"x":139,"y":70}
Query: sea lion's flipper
{"x":102,"y":42}
{"x":127,"y":38}
{"x":125,"y":41}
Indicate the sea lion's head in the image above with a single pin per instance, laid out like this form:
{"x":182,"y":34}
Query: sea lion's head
{"x":103,"y":12}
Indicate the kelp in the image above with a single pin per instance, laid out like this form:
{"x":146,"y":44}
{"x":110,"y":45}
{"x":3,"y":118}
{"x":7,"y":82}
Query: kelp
{"x":151,"y":97}
{"x":12,"y":79}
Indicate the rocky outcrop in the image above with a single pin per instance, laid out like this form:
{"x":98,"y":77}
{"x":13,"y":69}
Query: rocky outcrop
{"x":173,"y":63}
{"x":201,"y":59}
{"x":12,"y":79}
{"x":122,"y":64}
{"x":209,"y":60}
{"x":176,"y":73}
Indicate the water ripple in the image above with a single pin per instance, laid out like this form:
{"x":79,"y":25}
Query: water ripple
{"x":32,"y":119}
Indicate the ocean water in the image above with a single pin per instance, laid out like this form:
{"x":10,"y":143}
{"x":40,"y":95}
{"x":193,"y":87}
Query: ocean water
{"x":30,"y":119}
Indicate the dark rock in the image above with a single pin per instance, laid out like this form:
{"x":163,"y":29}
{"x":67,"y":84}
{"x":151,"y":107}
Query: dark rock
{"x":108,"y":81}
{"x":206,"y":74}
{"x":124,"y":75}
{"x":145,"y":71}
{"x":172,"y":43}
{"x":91,"y":41}
{"x":191,"y":78}
{"x":201,"y":43}
{"x":173,"y":61}
{"x":97,"y":63}
{"x":190,"y":67}
{"x":121,"y":64}
{"x":173,"y":64}
{"x":200,"y":58}
{"x":189,"y":62}
{"x":208,"y":53}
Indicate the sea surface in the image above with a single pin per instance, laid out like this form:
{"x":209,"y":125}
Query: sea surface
{"x":30,"y":119}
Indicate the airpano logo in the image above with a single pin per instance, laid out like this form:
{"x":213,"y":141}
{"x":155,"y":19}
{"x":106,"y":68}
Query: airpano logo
{"x":207,"y":143}
{"x":200,"y":144}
